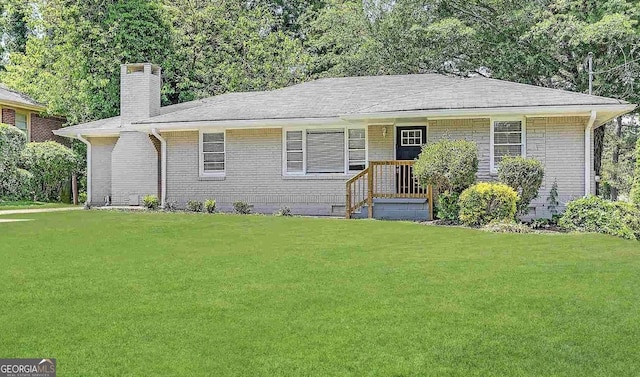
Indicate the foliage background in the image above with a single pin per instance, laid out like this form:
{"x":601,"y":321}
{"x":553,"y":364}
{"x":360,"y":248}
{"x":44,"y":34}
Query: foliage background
{"x":66,"y":52}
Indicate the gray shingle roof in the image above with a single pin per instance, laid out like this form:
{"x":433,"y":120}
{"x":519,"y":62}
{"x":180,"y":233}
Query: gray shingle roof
{"x":13,"y":96}
{"x":334,"y":97}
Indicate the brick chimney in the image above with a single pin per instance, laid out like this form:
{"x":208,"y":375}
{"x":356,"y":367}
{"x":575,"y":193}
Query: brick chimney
{"x":139,"y":92}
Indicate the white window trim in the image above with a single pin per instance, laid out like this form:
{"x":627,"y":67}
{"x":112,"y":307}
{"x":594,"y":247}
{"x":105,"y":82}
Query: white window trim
{"x":201,"y":171}
{"x":304,"y":129}
{"x":27,"y":119}
{"x":346,"y":149}
{"x":394,"y":128}
{"x":523,"y":121}
{"x":402,"y":137}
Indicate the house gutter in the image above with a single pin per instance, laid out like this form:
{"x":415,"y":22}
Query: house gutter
{"x":163,"y":169}
{"x":88,"y":144}
{"x":588,"y":150}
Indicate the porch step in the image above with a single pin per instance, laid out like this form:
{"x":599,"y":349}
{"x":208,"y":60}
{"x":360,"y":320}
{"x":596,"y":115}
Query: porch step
{"x":415,"y":209}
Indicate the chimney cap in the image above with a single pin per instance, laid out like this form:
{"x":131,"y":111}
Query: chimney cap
{"x":140,"y":67}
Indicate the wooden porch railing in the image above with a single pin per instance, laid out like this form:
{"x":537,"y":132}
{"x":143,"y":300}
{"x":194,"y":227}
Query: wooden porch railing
{"x":384,"y":179}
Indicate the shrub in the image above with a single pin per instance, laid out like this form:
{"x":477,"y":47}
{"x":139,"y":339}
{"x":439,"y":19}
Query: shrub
{"x":484,"y":202}
{"x":170,"y":205}
{"x":210,"y":206}
{"x":593,"y":214}
{"x":12,"y":141}
{"x":544,"y":223}
{"x":283,"y":211}
{"x":506,"y":226}
{"x":194,"y":206}
{"x":552,"y":199}
{"x":151,"y":202}
{"x":24,"y":185}
{"x":635,"y":189}
{"x":242,"y":208}
{"x":447,"y":206}
{"x":448,"y":165}
{"x":51,"y":164}
{"x":524,"y":175}
{"x":82,"y":197}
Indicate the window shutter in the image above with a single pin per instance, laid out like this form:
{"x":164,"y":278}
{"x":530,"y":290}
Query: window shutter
{"x":325,"y":151}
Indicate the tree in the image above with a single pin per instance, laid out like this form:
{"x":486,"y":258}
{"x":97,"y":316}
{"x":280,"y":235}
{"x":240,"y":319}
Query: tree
{"x":72,"y":62}
{"x":635,"y":191}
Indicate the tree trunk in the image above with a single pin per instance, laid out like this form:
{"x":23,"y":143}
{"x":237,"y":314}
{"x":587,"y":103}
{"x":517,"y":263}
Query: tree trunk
{"x":615,"y":157}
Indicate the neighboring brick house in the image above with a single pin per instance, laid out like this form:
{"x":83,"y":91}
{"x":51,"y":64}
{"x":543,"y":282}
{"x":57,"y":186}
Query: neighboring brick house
{"x":333,"y":146}
{"x":21,"y":111}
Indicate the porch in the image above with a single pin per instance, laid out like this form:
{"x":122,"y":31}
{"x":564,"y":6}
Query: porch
{"x":388,"y":190}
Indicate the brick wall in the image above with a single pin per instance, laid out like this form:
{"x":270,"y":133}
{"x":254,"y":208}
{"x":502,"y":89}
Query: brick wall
{"x":42,"y":129}
{"x":134,"y":167}
{"x":9,"y":116}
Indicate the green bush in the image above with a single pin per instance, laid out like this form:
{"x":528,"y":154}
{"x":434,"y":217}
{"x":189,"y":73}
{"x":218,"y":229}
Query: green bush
{"x":484,"y":202}
{"x":552,"y":199}
{"x":51,"y":164}
{"x":524,"y":175}
{"x":447,"y":207}
{"x":242,"y":208}
{"x":507,"y":226}
{"x":24,"y":187}
{"x":194,"y":206}
{"x":12,"y":142}
{"x":82,"y":197}
{"x":635,"y":189}
{"x":170,"y":205}
{"x":283,"y":211}
{"x":593,"y":214}
{"x":210,"y":206}
{"x":447,"y":165}
{"x":151,"y":202}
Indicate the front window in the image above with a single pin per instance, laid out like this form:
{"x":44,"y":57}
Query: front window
{"x":212,"y":153}
{"x":507,"y":140}
{"x":321,"y":151}
{"x":21,"y":122}
{"x":411,"y":138}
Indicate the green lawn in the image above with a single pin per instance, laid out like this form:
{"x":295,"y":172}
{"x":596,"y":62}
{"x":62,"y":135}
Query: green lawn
{"x":132,"y":294}
{"x":10,"y":205}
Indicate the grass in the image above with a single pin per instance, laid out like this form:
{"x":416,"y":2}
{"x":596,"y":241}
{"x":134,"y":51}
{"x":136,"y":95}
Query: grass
{"x":22,"y":204}
{"x":129,"y":294}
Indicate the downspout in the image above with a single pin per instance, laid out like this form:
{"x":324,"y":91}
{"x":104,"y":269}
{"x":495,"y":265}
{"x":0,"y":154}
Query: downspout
{"x":588,"y":150}
{"x":163,"y":168}
{"x":88,"y":144}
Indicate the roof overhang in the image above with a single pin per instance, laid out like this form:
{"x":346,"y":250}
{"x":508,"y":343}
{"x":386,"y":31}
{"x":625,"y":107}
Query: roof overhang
{"x":73,"y":133}
{"x":605,"y":113}
{"x":21,"y":105}
{"x":238,"y":124}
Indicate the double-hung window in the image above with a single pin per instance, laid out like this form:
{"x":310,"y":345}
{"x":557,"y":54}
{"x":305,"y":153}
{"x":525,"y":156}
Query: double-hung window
{"x":212,"y":153}
{"x":324,"y":151}
{"x":21,"y":122}
{"x":507,"y":139}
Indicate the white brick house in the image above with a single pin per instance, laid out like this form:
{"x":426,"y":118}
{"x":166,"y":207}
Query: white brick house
{"x":298,"y":146}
